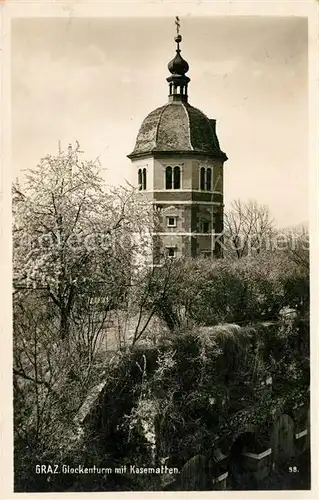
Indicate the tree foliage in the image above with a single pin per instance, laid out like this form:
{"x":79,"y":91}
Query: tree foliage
{"x":248,"y":227}
{"x":75,"y":239}
{"x":76,"y":251}
{"x":243,"y":291}
{"x":233,"y":344}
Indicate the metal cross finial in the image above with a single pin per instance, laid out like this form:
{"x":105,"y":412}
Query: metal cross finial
{"x":177,"y":24}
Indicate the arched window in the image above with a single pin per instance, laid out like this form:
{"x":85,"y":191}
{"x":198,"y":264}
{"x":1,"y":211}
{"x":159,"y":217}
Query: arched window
{"x":139,"y":179}
{"x":144,"y":179}
{"x":177,"y":178}
{"x":168,"y":177}
{"x":202,"y":178}
{"x":209,"y":179}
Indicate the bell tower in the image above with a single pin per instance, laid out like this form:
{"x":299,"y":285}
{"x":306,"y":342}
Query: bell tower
{"x":179,"y":165}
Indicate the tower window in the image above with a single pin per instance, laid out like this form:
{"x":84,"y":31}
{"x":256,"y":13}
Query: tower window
{"x":209,"y":179}
{"x":202,"y":178}
{"x":173,"y":178}
{"x":171,"y":221}
{"x":205,"y":226}
{"x":139,"y":179}
{"x":205,"y":182}
{"x":177,"y":178}
{"x":144,"y":179}
{"x":168,"y":178}
{"x":206,"y":254}
{"x":171,"y":252}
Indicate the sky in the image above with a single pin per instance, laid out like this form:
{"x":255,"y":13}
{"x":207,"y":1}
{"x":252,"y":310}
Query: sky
{"x":94,"y":80}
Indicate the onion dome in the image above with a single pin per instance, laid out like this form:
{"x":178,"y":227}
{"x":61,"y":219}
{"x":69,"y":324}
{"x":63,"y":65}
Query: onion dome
{"x":178,"y":65}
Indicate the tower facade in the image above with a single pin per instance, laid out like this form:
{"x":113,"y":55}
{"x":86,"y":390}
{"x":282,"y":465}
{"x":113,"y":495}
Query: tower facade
{"x":179,"y":165}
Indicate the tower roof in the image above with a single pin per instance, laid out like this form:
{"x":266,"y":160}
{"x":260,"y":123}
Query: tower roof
{"x":180,"y":128}
{"x":177,"y":127}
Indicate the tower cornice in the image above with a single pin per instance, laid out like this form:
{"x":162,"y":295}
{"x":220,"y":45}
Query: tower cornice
{"x":181,"y":154}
